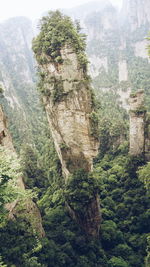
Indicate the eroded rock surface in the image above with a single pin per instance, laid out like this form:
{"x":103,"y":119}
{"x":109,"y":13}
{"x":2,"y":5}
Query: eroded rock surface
{"x":69,"y":104}
{"x":137,"y":120}
{"x":69,"y":109}
{"x":139,"y":126}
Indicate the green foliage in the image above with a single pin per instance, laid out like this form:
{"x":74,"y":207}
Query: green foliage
{"x":113,"y":133}
{"x":124,"y":206}
{"x":94,"y":119}
{"x":33,"y":262}
{"x":57,"y":30}
{"x":34,"y":176}
{"x":139,"y":73}
{"x":2,"y":263}
{"x":144,"y":175}
{"x":117,"y":262}
{"x":18,"y":241}
{"x":125,"y":210}
{"x":124,"y":85}
{"x":148,"y":47}
{"x":9,"y":173}
{"x":80,"y":189}
{"x":147,"y":260}
{"x":104,"y":79}
{"x":1,"y":91}
{"x":58,"y":91}
{"x":124,"y":201}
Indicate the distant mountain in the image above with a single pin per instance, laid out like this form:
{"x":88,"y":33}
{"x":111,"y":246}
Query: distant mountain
{"x":81,"y":11}
{"x":116,"y":46}
{"x":17,"y":77}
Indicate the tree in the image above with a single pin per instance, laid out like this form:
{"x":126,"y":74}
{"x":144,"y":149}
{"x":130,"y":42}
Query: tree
{"x":56,"y":31}
{"x":2,"y":263}
{"x":144,"y":175}
{"x":117,"y":262}
{"x":9,"y":171}
{"x":147,"y":260}
{"x":148,"y":47}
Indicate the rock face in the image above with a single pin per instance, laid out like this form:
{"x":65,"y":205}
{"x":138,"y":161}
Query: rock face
{"x":70,"y":113}
{"x":17,"y":76}
{"x":139,"y":126}
{"x":116,"y":45}
{"x":29,"y":211}
{"x":147,"y":138}
{"x":138,"y":12}
{"x":90,"y":222}
{"x":69,"y":110}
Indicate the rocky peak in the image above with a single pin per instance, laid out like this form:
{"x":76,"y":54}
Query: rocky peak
{"x":139,"y":141}
{"x":69,"y":104}
{"x":69,"y":111}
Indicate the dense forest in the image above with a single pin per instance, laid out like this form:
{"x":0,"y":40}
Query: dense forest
{"x":62,"y":175}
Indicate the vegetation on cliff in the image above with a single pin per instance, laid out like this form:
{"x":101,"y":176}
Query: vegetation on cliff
{"x":56,"y":31}
{"x":80,"y":190}
{"x":125,"y":216}
{"x":10,"y":171}
{"x":119,"y":179}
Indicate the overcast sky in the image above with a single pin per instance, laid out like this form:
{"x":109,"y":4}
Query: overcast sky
{"x":34,"y":8}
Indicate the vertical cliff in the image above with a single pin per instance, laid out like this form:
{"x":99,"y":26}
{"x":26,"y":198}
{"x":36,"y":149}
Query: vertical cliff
{"x":17,"y":77}
{"x":116,"y":47}
{"x":147,"y":137}
{"x":139,"y":126}
{"x":28,"y":211}
{"x":70,"y":110}
{"x":137,"y":123}
{"x":138,"y":12}
{"x":69,"y":103}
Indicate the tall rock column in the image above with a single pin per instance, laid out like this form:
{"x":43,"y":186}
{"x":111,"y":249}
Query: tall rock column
{"x":147,"y":137}
{"x":69,"y":103}
{"x":137,"y":123}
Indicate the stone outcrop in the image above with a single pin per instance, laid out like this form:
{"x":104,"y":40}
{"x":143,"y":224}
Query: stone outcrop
{"x":29,"y":210}
{"x":70,"y":110}
{"x":90,"y":222}
{"x":137,"y":122}
{"x":115,"y":43}
{"x":139,"y":126}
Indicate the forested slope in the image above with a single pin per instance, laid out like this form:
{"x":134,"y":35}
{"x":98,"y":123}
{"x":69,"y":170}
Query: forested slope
{"x":121,"y":179}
